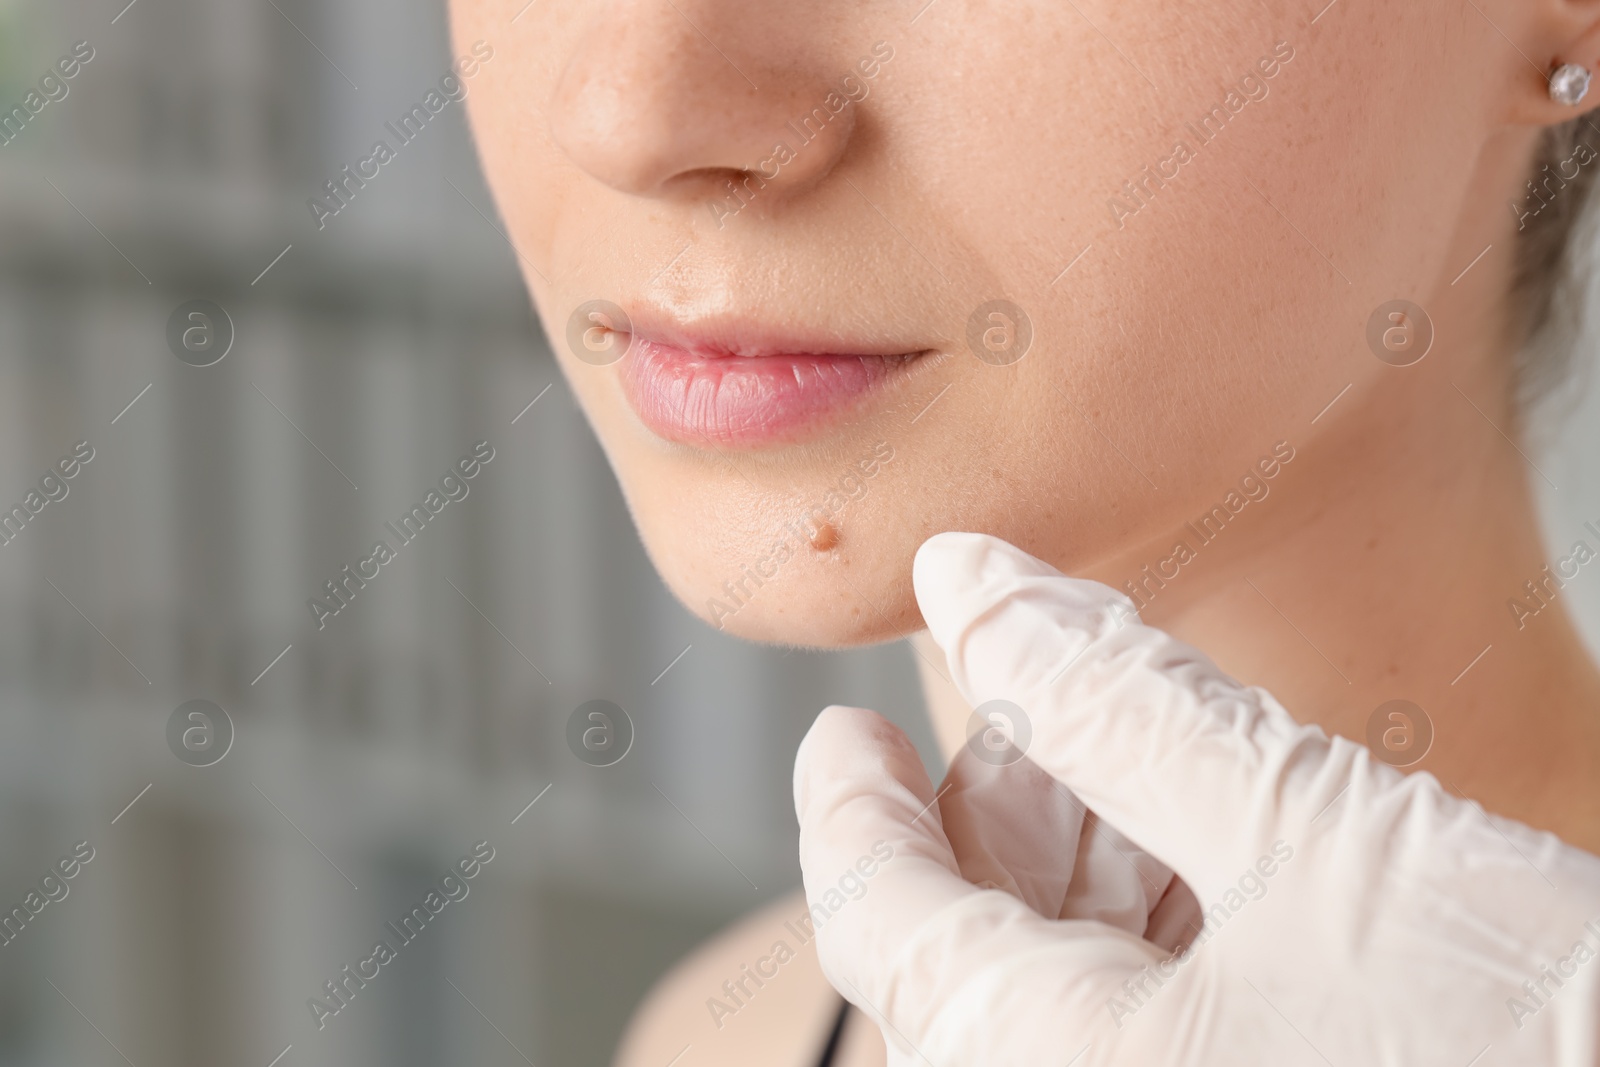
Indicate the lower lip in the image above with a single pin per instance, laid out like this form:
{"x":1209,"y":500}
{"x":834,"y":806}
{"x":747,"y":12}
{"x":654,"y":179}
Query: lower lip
{"x":727,"y":400}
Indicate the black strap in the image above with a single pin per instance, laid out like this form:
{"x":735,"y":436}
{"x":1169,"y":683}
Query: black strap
{"x":831,"y":1049}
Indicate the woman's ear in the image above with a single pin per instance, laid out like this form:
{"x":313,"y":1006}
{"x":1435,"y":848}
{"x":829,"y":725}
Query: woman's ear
{"x":1568,"y":32}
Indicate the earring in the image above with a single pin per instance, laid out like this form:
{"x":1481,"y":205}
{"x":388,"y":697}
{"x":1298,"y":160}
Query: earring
{"x":1568,"y":84}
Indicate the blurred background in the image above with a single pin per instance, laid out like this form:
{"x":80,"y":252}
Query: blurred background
{"x":367,"y":357}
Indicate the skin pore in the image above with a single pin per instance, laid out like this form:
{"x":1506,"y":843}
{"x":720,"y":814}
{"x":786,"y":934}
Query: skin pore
{"x":1184,"y":326}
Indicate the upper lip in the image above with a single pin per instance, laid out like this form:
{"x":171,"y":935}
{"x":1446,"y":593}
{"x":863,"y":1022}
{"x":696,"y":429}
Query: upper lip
{"x":728,"y":335}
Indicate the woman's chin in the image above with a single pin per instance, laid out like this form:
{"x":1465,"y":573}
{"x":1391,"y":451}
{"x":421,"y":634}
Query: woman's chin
{"x":814,"y":610}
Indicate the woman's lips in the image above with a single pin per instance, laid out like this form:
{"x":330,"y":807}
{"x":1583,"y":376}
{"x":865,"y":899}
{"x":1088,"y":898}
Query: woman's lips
{"x":697,"y":396}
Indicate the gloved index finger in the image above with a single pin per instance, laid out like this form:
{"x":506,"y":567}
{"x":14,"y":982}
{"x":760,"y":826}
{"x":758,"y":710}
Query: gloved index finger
{"x":1196,"y":768}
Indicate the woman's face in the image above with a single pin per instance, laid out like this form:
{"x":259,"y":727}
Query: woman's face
{"x":1061,"y":273}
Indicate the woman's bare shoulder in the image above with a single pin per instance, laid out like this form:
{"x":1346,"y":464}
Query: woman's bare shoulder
{"x":753,"y":994}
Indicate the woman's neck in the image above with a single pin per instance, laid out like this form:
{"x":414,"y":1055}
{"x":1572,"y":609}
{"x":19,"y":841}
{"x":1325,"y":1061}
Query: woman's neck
{"x":1383,"y":565}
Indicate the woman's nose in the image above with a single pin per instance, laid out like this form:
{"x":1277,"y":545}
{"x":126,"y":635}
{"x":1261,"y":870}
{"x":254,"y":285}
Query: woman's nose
{"x":683,"y":95}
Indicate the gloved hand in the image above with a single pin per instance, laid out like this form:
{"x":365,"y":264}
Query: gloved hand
{"x":1011,"y":826}
{"x":1354,"y":916}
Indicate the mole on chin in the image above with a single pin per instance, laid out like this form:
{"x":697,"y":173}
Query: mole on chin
{"x":825,"y":538}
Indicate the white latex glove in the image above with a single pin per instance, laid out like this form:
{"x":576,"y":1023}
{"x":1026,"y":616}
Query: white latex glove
{"x":1357,"y":916}
{"x":1011,"y":826}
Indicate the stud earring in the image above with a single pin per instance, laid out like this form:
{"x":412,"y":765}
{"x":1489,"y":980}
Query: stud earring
{"x":1568,"y":84}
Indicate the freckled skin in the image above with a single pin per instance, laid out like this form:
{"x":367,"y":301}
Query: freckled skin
{"x":976,"y":163}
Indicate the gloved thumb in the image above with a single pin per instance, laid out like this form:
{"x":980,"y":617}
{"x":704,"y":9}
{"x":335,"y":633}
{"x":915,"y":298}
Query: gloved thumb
{"x":941,"y":965}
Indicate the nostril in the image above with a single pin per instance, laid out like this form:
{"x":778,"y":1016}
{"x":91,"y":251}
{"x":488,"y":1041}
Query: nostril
{"x":710,"y":178}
